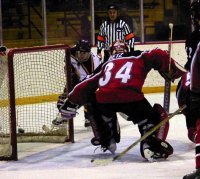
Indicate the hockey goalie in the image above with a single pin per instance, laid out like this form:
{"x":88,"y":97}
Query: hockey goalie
{"x":118,"y":88}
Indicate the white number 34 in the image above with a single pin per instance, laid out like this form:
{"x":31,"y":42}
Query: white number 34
{"x":123,"y":73}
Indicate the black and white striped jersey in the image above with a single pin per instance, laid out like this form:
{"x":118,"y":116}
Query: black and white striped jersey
{"x":112,"y":31}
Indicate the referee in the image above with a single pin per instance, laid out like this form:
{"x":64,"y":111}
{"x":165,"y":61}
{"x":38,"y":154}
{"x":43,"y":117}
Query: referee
{"x":111,"y":30}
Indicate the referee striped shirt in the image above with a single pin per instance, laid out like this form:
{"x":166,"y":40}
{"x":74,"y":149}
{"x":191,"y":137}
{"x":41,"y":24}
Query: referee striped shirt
{"x":112,"y":31}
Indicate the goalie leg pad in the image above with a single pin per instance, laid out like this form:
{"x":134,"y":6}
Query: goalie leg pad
{"x":162,"y":132}
{"x":155,"y":148}
{"x":116,"y":129}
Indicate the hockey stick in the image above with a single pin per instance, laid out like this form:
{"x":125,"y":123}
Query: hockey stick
{"x":147,"y":134}
{"x":167,"y":89}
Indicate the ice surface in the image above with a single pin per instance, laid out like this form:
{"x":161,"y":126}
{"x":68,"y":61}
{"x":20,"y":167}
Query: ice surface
{"x":73,"y":161}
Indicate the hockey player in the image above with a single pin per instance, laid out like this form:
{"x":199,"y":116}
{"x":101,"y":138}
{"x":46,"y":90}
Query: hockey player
{"x":83,"y":63}
{"x":186,"y":92}
{"x":119,"y":49}
{"x":118,"y":88}
{"x":183,"y":86}
{"x":194,"y":107}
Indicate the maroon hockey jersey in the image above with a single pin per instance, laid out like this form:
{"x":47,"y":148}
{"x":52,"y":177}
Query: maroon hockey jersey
{"x":121,"y":80}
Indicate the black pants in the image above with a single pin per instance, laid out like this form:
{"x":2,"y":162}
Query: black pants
{"x":136,"y":111}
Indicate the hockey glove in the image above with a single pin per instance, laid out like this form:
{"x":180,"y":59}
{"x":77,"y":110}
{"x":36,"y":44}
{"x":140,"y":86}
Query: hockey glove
{"x":176,"y":72}
{"x":68,"y":110}
{"x":166,"y":76}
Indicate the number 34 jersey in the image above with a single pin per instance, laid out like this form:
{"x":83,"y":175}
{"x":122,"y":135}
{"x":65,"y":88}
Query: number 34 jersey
{"x":121,"y":80}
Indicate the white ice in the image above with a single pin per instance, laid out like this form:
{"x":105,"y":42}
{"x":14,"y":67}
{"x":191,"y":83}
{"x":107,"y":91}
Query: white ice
{"x":73,"y":160}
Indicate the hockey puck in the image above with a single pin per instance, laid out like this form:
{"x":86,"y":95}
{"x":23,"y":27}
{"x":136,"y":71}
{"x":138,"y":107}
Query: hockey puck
{"x":92,"y":160}
{"x":20,"y":130}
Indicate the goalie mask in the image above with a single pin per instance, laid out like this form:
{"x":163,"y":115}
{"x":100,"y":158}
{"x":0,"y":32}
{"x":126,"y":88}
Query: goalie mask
{"x":117,"y":47}
{"x":195,"y":13}
{"x":83,"y":49}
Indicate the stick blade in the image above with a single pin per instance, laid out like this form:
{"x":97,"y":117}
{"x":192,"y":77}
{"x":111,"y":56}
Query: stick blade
{"x":101,"y":161}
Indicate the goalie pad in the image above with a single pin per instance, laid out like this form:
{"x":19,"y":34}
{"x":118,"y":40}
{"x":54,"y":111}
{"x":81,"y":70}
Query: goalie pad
{"x":161,"y":114}
{"x":103,"y":135}
{"x":153,"y":148}
{"x":106,"y":131}
{"x":114,"y":126}
{"x":116,"y":129}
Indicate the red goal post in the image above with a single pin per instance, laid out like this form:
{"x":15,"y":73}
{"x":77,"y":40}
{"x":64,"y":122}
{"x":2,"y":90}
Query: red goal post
{"x":31,"y":80}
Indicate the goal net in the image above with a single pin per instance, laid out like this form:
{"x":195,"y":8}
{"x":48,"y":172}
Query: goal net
{"x":31,"y":79}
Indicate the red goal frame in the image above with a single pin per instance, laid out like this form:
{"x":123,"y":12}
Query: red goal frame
{"x":11,"y":88}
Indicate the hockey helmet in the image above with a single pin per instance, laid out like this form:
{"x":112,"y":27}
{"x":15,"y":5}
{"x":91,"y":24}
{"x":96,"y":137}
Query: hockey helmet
{"x":195,"y":13}
{"x":83,"y":46}
{"x":83,"y":49}
{"x":118,"y":46}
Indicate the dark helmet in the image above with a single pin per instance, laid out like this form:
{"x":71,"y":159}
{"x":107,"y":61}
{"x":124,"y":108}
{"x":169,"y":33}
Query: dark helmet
{"x":83,"y":46}
{"x":82,"y":50}
{"x":3,"y":48}
{"x":118,"y":46}
{"x":195,"y":13}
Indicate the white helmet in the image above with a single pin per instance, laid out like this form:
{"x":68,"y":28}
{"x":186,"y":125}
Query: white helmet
{"x":118,"y":46}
